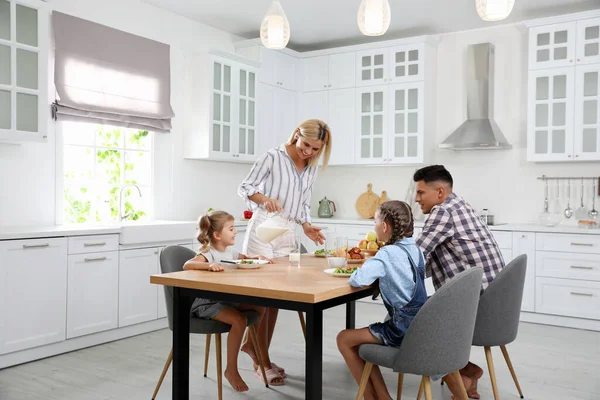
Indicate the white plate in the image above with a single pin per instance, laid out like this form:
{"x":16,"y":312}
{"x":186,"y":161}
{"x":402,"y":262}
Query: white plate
{"x":329,"y":271}
{"x":255,"y":263}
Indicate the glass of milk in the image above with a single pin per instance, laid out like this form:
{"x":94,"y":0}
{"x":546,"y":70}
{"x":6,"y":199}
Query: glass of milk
{"x":295,"y":247}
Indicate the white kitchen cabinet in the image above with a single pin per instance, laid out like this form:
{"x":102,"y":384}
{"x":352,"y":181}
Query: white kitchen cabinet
{"x":137,"y":296}
{"x":588,"y":41}
{"x":93,"y":293}
{"x":552,"y":46}
{"x":391,"y":121}
{"x":239,"y":239}
{"x":33,"y":293}
{"x":551,"y":114}
{"x":333,"y":107}
{"x":335,"y":71}
{"x":277,"y":113}
{"x":587,"y":113}
{"x":567,"y":297}
{"x":278,"y":69}
{"x":24,"y":106}
{"x":221,"y":112}
{"x":397,"y":64}
{"x":524,"y":243}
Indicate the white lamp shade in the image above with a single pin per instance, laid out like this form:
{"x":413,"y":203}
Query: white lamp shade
{"x":374,"y":17}
{"x":494,"y":10}
{"x":275,"y":28}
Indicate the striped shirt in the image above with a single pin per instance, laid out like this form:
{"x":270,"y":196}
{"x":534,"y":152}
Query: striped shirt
{"x":454,"y":239}
{"x":275,"y":176}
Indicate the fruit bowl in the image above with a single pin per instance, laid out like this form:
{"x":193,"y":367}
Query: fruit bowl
{"x":369,"y":252}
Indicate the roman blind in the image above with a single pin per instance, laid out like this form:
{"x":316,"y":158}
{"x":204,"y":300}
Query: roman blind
{"x":106,"y":76}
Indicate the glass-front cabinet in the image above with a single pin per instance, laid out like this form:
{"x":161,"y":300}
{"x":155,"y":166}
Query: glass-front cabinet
{"x":587,"y":112}
{"x":24,"y":107}
{"x":233,"y":110}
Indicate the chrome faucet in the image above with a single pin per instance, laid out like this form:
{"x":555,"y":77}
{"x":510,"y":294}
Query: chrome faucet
{"x":121,"y":216}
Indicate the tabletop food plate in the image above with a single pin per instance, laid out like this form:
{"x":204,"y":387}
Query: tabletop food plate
{"x":331,"y":271}
{"x":249,"y":264}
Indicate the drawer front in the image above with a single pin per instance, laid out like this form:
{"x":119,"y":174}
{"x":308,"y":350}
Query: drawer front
{"x":567,"y":297}
{"x":568,"y":265}
{"x":29,"y":245}
{"x":504,"y":239}
{"x":93,"y":244}
{"x":568,"y":243}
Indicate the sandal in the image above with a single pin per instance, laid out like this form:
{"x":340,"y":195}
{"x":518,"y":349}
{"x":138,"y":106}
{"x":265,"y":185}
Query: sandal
{"x":273,"y":377}
{"x":279,"y":369}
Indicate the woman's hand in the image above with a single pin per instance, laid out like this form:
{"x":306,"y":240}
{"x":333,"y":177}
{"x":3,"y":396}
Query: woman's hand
{"x":272,"y":205}
{"x":314,"y":233}
{"x":215,"y":267}
{"x":268,"y":260}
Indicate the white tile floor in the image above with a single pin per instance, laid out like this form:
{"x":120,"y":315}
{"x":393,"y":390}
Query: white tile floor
{"x":551,"y":363}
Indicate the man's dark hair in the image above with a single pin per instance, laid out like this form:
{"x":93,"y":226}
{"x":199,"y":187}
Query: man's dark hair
{"x":433,"y":173}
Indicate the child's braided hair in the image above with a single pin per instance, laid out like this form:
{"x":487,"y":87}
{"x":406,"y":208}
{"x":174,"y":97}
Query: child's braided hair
{"x":399,"y":216}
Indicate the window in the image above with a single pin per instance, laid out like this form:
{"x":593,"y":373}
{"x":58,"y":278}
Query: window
{"x":98,"y":160}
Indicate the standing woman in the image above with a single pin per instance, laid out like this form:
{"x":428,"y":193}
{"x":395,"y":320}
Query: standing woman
{"x":281,"y":180}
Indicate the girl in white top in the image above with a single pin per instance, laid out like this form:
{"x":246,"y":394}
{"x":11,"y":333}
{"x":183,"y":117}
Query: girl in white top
{"x":216,"y":235}
{"x":281,"y":180}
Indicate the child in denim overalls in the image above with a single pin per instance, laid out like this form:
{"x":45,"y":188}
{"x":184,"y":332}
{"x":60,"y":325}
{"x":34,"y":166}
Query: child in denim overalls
{"x":400,"y":269}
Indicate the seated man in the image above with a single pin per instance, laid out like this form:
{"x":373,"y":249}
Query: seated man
{"x":454,"y":239}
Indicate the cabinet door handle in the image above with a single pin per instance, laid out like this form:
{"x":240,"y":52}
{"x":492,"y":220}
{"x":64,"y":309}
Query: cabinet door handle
{"x":582,"y":294}
{"x":582,"y":244}
{"x":36,"y":246}
{"x":581,"y":267}
{"x":94,"y":259}
{"x":94,"y":244}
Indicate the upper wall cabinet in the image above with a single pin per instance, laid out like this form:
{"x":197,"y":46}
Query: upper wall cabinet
{"x":220,"y":114}
{"x":403,"y":63}
{"x":564,"y":91}
{"x":331,"y":72}
{"x":277,"y":69}
{"x":24,"y":34}
{"x":565,"y":44}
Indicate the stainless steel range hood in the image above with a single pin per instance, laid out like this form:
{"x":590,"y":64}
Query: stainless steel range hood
{"x":479,"y":131}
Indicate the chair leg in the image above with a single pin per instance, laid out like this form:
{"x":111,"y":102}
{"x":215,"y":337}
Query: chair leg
{"x":206,"y":354}
{"x":302,"y":323}
{"x":400,"y":381}
{"x":512,"y":370}
{"x":261,"y":363}
{"x":219,"y":368}
{"x":426,"y":383}
{"x":364,"y":379}
{"x":162,"y":375}
{"x":461,"y":385}
{"x":490,"y":363}
{"x":420,"y":390}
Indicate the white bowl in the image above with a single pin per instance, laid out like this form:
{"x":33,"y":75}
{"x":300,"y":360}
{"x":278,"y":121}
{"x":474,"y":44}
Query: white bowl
{"x":337,"y":262}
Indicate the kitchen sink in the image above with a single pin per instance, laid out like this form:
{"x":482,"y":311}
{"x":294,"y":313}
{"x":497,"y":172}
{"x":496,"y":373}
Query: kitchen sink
{"x":136,"y":232}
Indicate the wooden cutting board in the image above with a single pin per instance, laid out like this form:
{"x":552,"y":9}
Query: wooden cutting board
{"x":366,"y":204}
{"x":383,"y":197}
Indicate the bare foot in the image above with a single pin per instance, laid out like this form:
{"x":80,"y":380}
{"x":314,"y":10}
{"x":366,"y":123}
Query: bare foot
{"x":236,"y":381}
{"x":453,"y":385}
{"x":249,"y":349}
{"x":474,"y":372}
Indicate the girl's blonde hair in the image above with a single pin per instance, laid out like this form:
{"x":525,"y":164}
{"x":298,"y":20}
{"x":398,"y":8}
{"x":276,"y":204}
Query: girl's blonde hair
{"x":399,"y":216}
{"x":208,"y":224}
{"x":314,"y":129}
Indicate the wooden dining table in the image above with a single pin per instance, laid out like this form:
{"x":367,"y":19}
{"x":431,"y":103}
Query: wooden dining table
{"x":306,"y":289}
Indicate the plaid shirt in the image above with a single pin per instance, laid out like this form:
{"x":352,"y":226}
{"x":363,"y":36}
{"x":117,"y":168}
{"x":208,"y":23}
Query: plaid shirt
{"x":454,"y":239}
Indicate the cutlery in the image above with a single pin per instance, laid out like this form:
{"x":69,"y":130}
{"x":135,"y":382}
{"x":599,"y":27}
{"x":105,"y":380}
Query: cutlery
{"x":568,"y":210}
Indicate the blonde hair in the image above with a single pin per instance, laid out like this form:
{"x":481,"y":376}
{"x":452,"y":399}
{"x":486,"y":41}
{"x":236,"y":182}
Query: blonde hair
{"x":314,"y":129}
{"x":399,"y":216}
{"x":208,"y":224}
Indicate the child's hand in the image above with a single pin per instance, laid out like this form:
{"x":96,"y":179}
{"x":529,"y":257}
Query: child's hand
{"x":268,"y":260}
{"x":215,"y":267}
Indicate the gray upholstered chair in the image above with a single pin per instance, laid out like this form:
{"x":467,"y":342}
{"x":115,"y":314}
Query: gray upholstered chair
{"x":498,"y":315}
{"x":438,"y":340}
{"x":172,"y":259}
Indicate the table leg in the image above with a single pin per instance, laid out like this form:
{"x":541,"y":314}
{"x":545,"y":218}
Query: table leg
{"x":314,"y":354}
{"x":181,"y":346}
{"x":350,"y":315}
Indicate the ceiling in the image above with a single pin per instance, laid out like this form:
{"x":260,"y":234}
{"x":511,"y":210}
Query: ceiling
{"x":318,"y":24}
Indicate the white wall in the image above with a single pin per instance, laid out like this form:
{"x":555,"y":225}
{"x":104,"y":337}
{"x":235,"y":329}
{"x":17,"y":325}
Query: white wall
{"x":502,"y":181}
{"x":183,"y":188}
